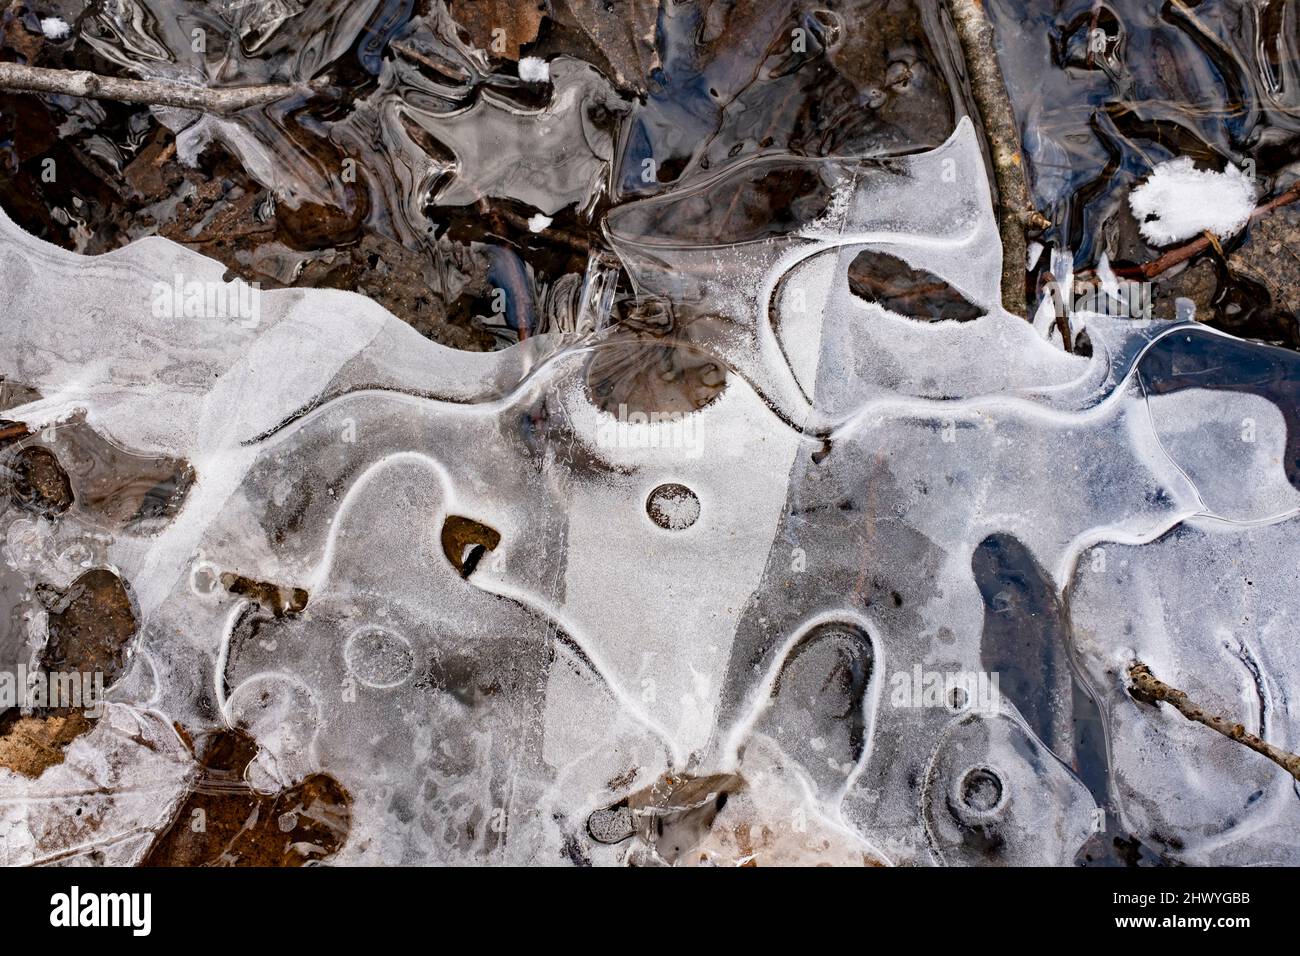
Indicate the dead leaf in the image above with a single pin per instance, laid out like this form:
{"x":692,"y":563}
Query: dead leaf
{"x":501,"y":27}
{"x":622,"y":30}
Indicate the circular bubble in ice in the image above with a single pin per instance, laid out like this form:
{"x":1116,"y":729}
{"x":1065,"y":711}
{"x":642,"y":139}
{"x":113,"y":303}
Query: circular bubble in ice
{"x":981,"y":791}
{"x":673,"y":507}
{"x":204,"y":577}
{"x":611,"y":825}
{"x":378,"y":657}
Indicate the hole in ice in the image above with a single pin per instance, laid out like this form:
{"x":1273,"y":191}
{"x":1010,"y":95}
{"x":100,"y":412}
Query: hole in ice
{"x":981,"y":790}
{"x":37,"y":483}
{"x":958,"y":699}
{"x":829,"y":26}
{"x":204,"y":578}
{"x":471,"y":556}
{"x":378,"y":657}
{"x":71,"y":464}
{"x":276,"y":598}
{"x":91,"y":626}
{"x":673,"y":507}
{"x":894,"y":285}
{"x":465,"y":541}
{"x":642,"y":375}
{"x":223,"y":821}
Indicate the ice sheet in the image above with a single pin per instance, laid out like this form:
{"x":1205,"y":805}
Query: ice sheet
{"x":480,"y":705}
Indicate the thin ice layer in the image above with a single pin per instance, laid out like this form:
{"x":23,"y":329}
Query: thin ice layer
{"x":480,"y":698}
{"x":1210,"y":608}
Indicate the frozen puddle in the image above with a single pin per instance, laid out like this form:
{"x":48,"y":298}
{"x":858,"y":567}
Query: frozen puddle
{"x":846,"y":612}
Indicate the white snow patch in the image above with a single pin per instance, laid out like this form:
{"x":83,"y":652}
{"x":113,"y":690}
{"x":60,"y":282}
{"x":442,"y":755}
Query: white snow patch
{"x":539,"y":222}
{"x":55,"y":28}
{"x":1033,"y":254}
{"x":533,"y":69}
{"x":1179,"y":201}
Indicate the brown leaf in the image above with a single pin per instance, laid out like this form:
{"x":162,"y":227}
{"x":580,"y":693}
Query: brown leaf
{"x":30,"y":745}
{"x":623,"y":30}
{"x":501,"y":27}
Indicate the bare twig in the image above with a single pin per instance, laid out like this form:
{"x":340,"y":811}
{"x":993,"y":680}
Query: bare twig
{"x":1173,"y":257}
{"x":1092,"y":27}
{"x":409,"y":52}
{"x":1015,"y":208}
{"x":1149,"y":689}
{"x":35,"y":79}
{"x":563,"y":236}
{"x":1063,"y":329}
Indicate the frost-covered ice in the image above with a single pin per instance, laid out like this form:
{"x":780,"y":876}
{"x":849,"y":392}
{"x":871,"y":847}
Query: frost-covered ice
{"x":117,"y":787}
{"x":1181,"y":787}
{"x":839,"y":522}
{"x":1179,"y":201}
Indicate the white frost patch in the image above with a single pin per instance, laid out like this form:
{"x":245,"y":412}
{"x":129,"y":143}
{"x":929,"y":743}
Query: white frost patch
{"x":1216,"y":437}
{"x":533,"y":69}
{"x":1033,"y":254}
{"x":539,"y":222}
{"x":55,"y":29}
{"x":1179,"y":201}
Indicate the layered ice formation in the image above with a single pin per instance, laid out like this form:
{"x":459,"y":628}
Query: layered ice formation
{"x":853,"y":609}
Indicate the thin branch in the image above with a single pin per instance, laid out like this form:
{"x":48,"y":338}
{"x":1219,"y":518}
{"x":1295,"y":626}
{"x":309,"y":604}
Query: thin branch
{"x":1174,"y":257}
{"x":1015,"y":207}
{"x":575,"y":242}
{"x":1092,"y":27}
{"x":1150,"y":689}
{"x":408,"y":52}
{"x":35,"y":79}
